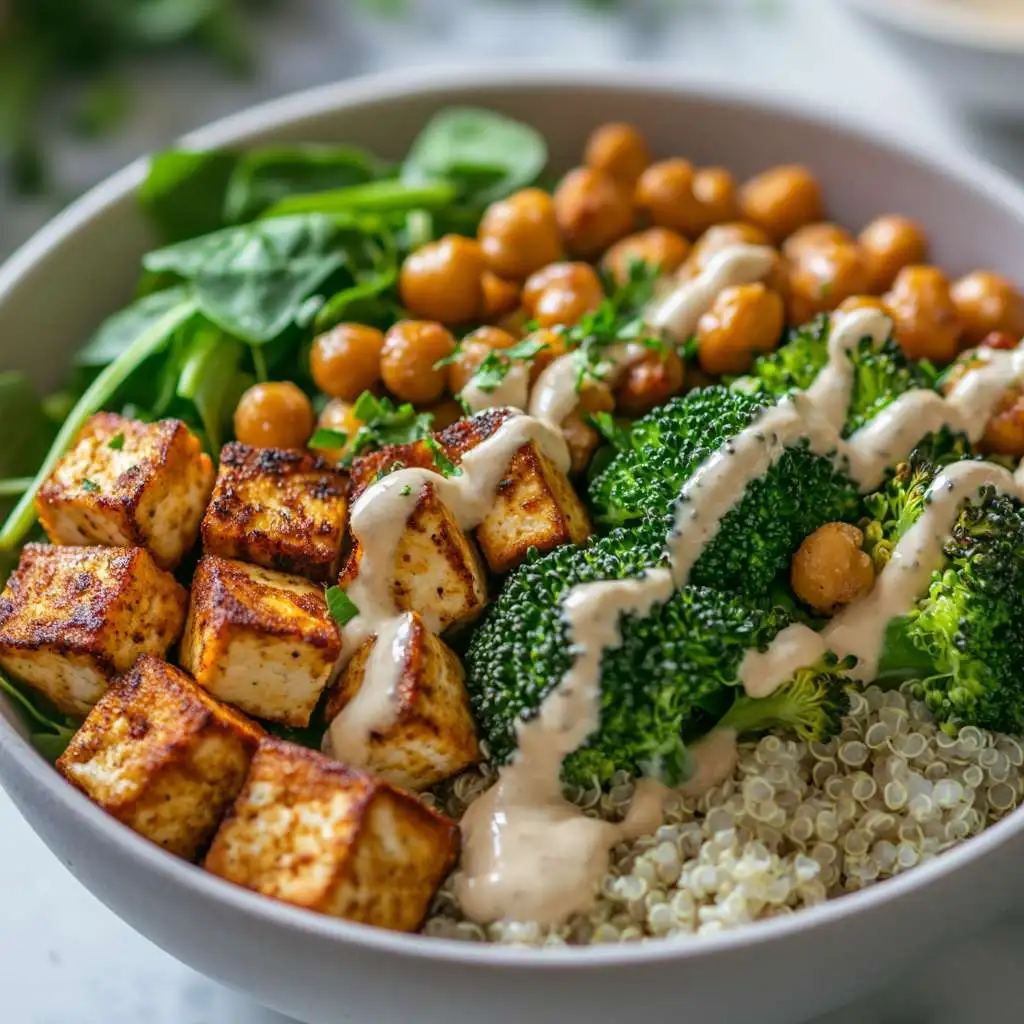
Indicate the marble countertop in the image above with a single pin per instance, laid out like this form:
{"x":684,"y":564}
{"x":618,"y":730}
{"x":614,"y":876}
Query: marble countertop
{"x":64,"y":958}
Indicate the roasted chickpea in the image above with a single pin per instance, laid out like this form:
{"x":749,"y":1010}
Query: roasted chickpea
{"x":618,"y":150}
{"x":987,"y":302}
{"x":338,"y":415}
{"x":472,"y":351}
{"x":592,"y":211}
{"x":822,"y":277}
{"x":446,"y":413}
{"x":927,"y":323}
{"x":722,"y":236}
{"x":500,"y":296}
{"x":782,"y":199}
{"x":743,"y":322}
{"x":1004,"y":434}
{"x":582,"y":439}
{"x":814,"y":236}
{"x":649,"y":382}
{"x":891,"y":243}
{"x":554,"y":348}
{"x":275,"y":415}
{"x":831,"y":569}
{"x":518,"y":235}
{"x":561,"y":293}
{"x":515,"y":322}
{"x":854,"y":302}
{"x":657,"y":247}
{"x":668,"y":192}
{"x":442,"y":280}
{"x":411,"y":348}
{"x":345,"y":361}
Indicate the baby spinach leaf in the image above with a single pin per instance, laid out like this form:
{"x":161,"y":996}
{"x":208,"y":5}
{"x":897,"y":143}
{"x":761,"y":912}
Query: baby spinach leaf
{"x":213,"y":381}
{"x":366,"y":302}
{"x":373,"y":197}
{"x":117,"y":332}
{"x":264,"y":176}
{"x":184,"y":191}
{"x":152,"y":336}
{"x":48,"y":729}
{"x":488,"y":154}
{"x":252,"y":280}
{"x":28,"y":431}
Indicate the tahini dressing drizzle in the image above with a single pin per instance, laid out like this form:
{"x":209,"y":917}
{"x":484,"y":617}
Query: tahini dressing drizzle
{"x":527,"y":852}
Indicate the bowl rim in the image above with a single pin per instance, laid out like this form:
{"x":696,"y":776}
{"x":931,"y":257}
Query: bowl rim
{"x":239,"y":129}
{"x":948,"y":24}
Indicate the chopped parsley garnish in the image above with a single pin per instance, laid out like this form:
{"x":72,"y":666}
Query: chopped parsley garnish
{"x":89,"y":487}
{"x":392,"y":467}
{"x":406,"y":491}
{"x":494,"y":369}
{"x":324,"y":437}
{"x":385,"y":424}
{"x":444,"y":465}
{"x":450,"y":358}
{"x":116,"y":443}
{"x":609,"y":428}
{"x":342,"y":608}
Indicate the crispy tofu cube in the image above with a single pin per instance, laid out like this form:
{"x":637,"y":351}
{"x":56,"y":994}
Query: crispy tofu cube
{"x":320,"y":835}
{"x":535,"y":505}
{"x":279,"y":508}
{"x":162,"y":756}
{"x":437,"y":570}
{"x":71,"y":618}
{"x":125,"y":484}
{"x":261,"y":640}
{"x":429,"y":733}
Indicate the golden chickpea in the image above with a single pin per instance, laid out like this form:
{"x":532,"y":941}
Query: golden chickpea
{"x":1004,"y":434}
{"x":822,"y":277}
{"x":742,"y":323}
{"x":891,"y":243}
{"x":782,"y":199}
{"x":473,"y":350}
{"x":500,"y":296}
{"x":345,"y":361}
{"x":554,"y":347}
{"x":665,"y":193}
{"x":649,"y":383}
{"x":714,"y":188}
{"x":275,"y":415}
{"x":855,"y":302}
{"x":927,"y":323}
{"x":561,"y":293}
{"x":987,"y":302}
{"x":657,"y":247}
{"x":581,"y":437}
{"x":814,"y":236}
{"x":446,"y":413}
{"x":592,"y":212}
{"x":618,"y":150}
{"x":411,"y":348}
{"x":442,"y":280}
{"x":338,"y":415}
{"x":831,"y":569}
{"x":518,"y":235}
{"x":722,"y":236}
{"x":515,"y":322}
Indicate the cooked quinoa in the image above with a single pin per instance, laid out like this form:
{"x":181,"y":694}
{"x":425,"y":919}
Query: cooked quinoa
{"x":795,"y":824}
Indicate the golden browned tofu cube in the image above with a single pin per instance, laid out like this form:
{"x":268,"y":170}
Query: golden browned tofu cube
{"x":437,"y":570}
{"x":72,"y":618}
{"x":161,"y":755}
{"x":429,"y":733}
{"x":277,"y":507}
{"x":124,"y":483}
{"x":261,"y":640}
{"x":535,"y":505}
{"x":320,"y":835}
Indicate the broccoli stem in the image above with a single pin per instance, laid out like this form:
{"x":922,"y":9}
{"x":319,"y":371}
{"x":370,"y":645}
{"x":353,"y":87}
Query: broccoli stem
{"x":901,"y":658}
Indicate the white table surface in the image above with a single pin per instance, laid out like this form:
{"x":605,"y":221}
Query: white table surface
{"x":64,"y":958}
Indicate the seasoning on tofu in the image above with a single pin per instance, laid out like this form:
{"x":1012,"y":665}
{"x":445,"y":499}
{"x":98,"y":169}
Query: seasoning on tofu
{"x":126,"y":483}
{"x":161,"y":755}
{"x":320,"y":835}
{"x":261,"y":640}
{"x":277,"y":507}
{"x":71,"y":618}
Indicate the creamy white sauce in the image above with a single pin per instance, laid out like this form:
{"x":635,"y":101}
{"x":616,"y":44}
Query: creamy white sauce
{"x":512,"y":393}
{"x":527,"y":852}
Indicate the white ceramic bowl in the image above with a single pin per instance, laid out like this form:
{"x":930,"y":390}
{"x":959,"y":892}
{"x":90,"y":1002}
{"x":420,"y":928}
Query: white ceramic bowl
{"x":973,"y":58}
{"x":324,"y":971}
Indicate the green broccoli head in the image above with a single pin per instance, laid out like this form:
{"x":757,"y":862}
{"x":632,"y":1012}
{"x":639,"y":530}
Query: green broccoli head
{"x":811,"y":704}
{"x":641,"y":484}
{"x":673,"y":676}
{"x":881,"y":373}
{"x":964,"y":640}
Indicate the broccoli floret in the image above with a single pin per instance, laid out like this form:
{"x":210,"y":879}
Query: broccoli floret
{"x":673,"y":676}
{"x":811,"y":704}
{"x":964,"y":640}
{"x":882,"y":373}
{"x":799,"y":493}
